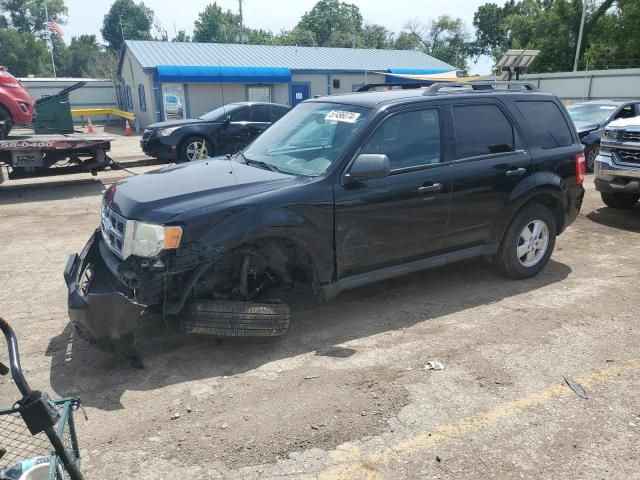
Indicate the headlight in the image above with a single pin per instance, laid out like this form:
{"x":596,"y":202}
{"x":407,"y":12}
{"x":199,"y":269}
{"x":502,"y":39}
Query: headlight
{"x":165,"y":132}
{"x":149,"y":240}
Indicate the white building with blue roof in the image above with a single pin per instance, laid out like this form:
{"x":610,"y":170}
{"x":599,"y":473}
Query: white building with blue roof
{"x":169,"y":80}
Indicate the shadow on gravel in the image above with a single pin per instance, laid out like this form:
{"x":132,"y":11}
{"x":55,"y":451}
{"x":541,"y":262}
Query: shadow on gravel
{"x":100,"y":379}
{"x":610,"y":217}
{"x":53,"y":190}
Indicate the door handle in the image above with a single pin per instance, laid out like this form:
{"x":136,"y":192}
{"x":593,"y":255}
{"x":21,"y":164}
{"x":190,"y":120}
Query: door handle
{"x":515,"y":172}
{"x":436,"y":187}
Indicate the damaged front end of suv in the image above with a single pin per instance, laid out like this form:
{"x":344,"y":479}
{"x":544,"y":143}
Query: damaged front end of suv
{"x":203,"y":257}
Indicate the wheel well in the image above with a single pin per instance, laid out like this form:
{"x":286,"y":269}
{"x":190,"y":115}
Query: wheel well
{"x":548,"y":201}
{"x":279,"y":259}
{"x":6,"y":110}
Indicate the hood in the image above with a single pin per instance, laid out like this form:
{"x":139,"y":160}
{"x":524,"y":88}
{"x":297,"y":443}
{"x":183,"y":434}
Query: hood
{"x":160,"y":195}
{"x":583,"y":127}
{"x":175,"y":123}
{"x":625,"y":122}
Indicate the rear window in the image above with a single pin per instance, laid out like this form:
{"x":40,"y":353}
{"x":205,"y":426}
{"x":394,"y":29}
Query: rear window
{"x":547,"y":126}
{"x":482,"y":130}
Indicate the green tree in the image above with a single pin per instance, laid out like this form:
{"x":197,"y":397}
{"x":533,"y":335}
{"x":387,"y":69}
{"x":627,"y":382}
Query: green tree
{"x":216,"y":25}
{"x":80,"y":55}
{"x":333,"y":23}
{"x":445,"y":38}
{"x":28,"y":15}
{"x":375,"y":36}
{"x":550,"y":26}
{"x":125,"y":16}
{"x":181,"y":36}
{"x":23,"y":53}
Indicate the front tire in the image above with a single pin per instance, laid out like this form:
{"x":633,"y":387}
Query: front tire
{"x":220,"y":318}
{"x":528,"y":243}
{"x":622,"y":201}
{"x":591,"y":154}
{"x":195,"y":148}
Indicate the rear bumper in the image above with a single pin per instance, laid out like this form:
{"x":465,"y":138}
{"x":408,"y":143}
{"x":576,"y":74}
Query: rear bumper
{"x":100,"y":307}
{"x":612,"y":177}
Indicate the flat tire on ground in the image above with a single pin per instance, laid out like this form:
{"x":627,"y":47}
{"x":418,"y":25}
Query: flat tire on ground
{"x":220,"y":318}
{"x":528,"y":243}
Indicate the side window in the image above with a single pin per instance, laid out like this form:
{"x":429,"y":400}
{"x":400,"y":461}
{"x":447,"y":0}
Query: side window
{"x":277,"y":113}
{"x":626,"y":112}
{"x":482,"y":130}
{"x":259,"y":113}
{"x":547,"y":126}
{"x":409,"y":139}
{"x":241,"y":115}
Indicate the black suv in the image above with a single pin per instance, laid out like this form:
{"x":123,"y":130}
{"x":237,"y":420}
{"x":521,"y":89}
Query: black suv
{"x":342,"y":191}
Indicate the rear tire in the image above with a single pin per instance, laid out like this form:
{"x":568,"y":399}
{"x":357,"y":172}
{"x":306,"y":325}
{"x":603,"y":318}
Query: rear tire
{"x":622,"y":201}
{"x":5,"y":117}
{"x":220,"y":318}
{"x":528,"y":243}
{"x":191,"y":149}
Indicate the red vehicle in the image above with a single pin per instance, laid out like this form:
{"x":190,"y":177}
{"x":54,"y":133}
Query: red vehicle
{"x":16,"y":105}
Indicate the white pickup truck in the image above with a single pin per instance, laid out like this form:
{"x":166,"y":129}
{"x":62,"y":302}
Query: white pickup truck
{"x":617,"y":167}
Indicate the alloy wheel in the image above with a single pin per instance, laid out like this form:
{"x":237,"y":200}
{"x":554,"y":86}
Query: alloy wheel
{"x":532,"y":243}
{"x":197,"y":150}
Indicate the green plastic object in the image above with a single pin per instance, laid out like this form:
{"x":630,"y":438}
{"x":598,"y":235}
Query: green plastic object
{"x":53,"y":113}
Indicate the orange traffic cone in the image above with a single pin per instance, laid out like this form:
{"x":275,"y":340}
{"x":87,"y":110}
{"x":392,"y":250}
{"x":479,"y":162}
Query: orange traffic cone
{"x":127,"y":129}
{"x":90,"y":129}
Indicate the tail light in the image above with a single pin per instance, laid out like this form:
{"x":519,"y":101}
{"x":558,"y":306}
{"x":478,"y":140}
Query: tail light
{"x":581,"y":168}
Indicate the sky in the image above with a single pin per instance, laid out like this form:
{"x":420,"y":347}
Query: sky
{"x":85,"y":17}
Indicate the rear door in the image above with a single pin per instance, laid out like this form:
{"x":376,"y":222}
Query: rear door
{"x":403,"y":216}
{"x":233,"y":135}
{"x":490,"y":164}
{"x":258,"y":121}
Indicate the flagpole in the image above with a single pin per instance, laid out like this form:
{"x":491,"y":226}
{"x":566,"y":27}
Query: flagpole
{"x":53,"y":62}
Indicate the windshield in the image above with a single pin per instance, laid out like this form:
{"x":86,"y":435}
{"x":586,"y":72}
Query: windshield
{"x":593,"y":113}
{"x":219,"y":112}
{"x":308,"y":139}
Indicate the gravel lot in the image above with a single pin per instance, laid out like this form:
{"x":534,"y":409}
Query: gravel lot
{"x":345,"y":395}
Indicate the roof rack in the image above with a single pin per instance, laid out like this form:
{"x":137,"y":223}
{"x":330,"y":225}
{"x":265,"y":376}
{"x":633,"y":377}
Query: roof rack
{"x":400,"y":85}
{"x":479,"y":86}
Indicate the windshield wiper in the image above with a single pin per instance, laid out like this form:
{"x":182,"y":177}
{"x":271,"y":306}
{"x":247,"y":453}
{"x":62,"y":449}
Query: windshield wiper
{"x":259,"y":163}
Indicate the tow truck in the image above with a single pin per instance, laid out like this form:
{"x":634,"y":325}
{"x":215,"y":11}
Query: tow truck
{"x":54,"y":147}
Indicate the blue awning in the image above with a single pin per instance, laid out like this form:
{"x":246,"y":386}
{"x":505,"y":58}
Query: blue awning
{"x":412,"y":71}
{"x":210,"y":74}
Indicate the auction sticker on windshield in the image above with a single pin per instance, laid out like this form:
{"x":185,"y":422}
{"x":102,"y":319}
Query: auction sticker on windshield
{"x":342,"y":116}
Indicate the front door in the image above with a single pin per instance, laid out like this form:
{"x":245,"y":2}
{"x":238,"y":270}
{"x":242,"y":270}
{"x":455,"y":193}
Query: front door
{"x":401,"y":217}
{"x":299,"y":93}
{"x":490,"y":163}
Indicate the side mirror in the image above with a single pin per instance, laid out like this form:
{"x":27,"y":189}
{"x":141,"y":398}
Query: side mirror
{"x":369,"y":166}
{"x":227,"y":120}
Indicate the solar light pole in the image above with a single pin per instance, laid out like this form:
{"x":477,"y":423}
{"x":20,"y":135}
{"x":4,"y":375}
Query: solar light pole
{"x":584,"y":14}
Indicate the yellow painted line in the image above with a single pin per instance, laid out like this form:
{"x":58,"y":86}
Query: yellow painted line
{"x":356,"y":466}
{"x":87,"y":112}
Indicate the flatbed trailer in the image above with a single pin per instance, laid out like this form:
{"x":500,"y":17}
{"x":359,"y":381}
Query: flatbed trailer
{"x":43,"y":155}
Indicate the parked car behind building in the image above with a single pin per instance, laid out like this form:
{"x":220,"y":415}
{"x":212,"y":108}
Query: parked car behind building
{"x":590,"y":118}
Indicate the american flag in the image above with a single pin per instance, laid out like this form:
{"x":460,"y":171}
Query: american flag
{"x":52,"y":26}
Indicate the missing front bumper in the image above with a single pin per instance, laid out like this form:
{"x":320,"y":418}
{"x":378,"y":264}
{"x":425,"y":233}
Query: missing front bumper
{"x":100,"y":307}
